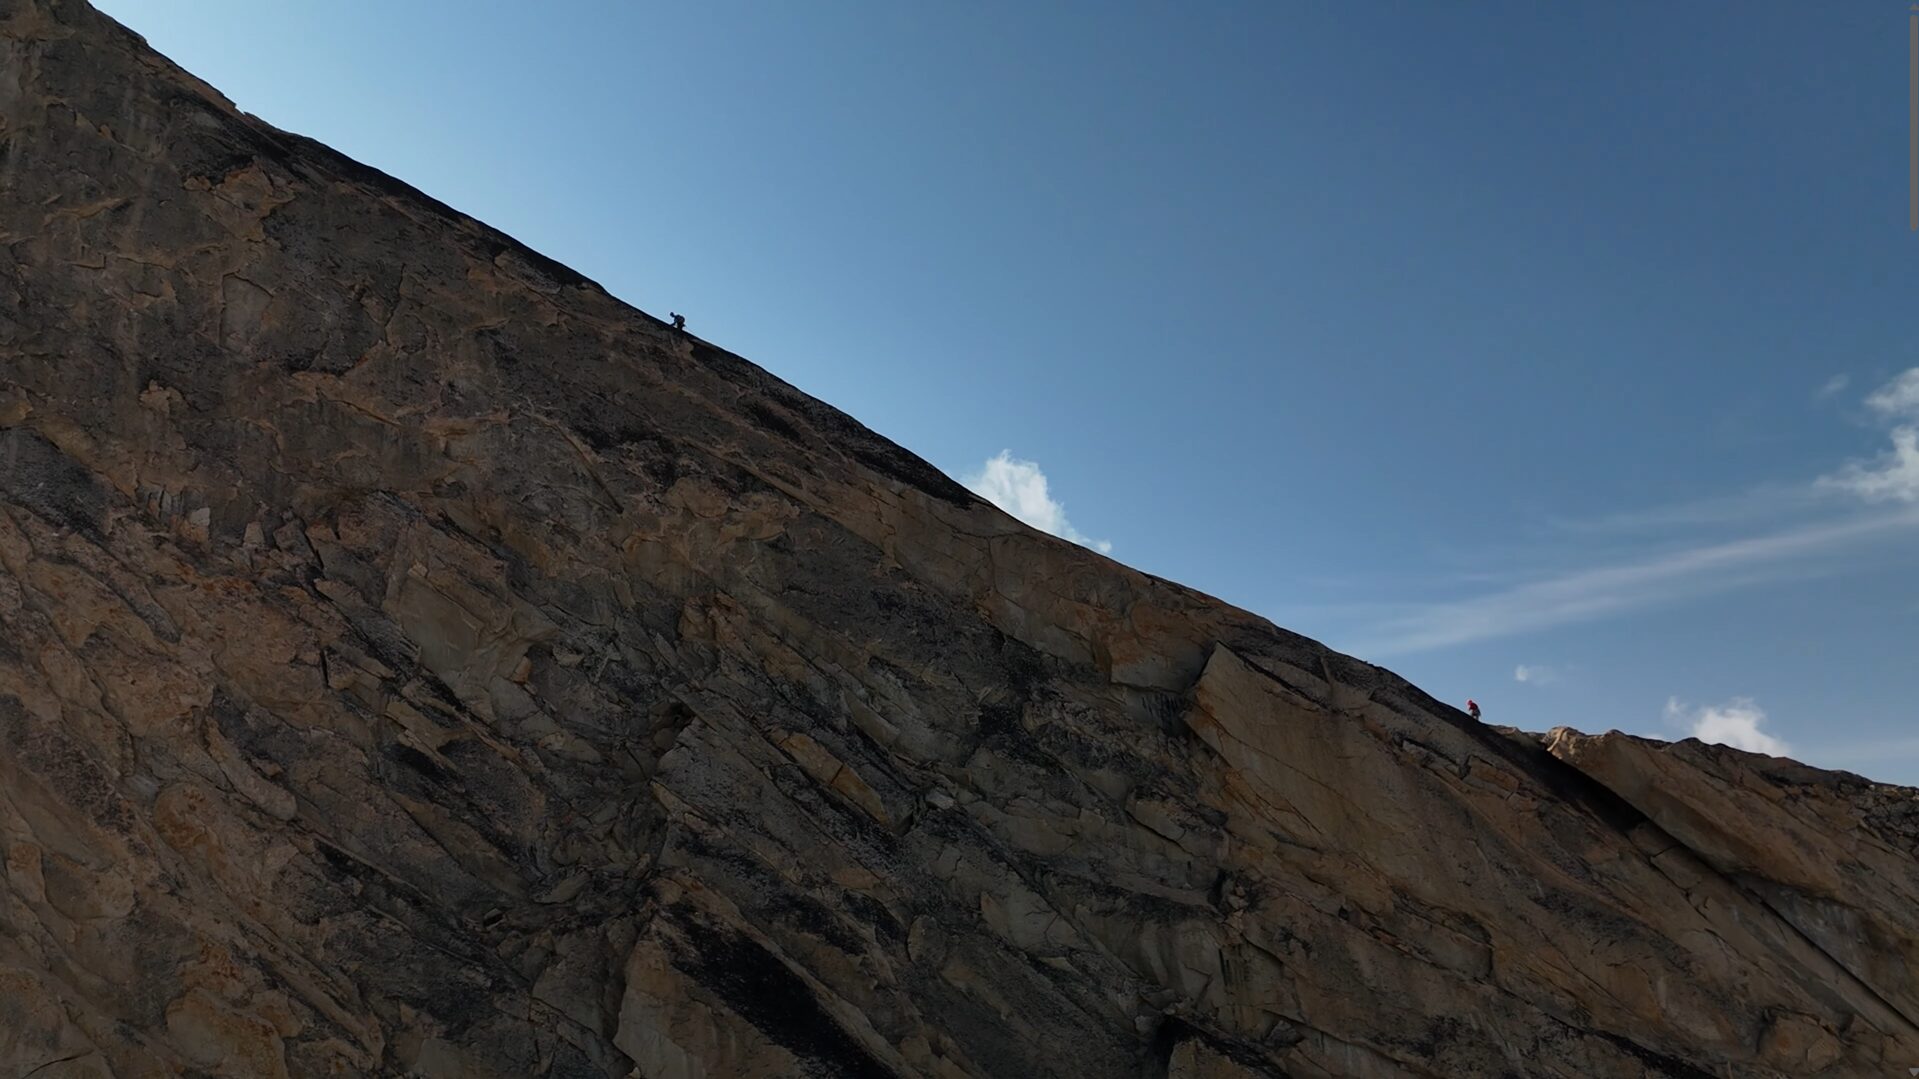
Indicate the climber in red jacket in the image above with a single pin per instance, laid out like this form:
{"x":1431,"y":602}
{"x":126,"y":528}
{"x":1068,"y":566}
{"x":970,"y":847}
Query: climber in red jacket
{"x":1472,"y":708}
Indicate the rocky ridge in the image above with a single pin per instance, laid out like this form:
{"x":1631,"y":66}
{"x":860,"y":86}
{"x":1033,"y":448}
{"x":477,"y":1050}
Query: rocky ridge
{"x":414,"y":660}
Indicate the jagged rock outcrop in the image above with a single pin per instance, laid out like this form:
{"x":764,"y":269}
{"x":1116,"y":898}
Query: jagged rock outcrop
{"x":415,"y":661}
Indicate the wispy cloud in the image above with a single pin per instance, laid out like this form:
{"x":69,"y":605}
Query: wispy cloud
{"x":1790,"y":529}
{"x":1893,"y":476}
{"x":1770,"y":502}
{"x":1535,"y":675}
{"x":1835,"y":385}
{"x":1735,"y":723}
{"x":1020,"y":488}
{"x":1586,"y":594}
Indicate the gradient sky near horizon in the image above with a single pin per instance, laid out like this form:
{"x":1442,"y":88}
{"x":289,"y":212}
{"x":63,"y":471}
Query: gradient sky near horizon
{"x":1549,"y":355}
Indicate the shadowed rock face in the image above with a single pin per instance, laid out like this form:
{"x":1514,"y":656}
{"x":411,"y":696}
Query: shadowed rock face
{"x":414,"y":660}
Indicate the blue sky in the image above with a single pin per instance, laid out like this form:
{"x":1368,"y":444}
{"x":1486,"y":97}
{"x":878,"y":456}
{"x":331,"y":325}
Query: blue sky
{"x":1547,"y":354}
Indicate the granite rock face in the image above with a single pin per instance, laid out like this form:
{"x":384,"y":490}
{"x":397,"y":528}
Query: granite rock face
{"x":415,"y":661}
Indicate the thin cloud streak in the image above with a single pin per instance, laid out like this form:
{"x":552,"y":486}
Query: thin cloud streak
{"x":1587,"y":594}
{"x":1773,"y":502}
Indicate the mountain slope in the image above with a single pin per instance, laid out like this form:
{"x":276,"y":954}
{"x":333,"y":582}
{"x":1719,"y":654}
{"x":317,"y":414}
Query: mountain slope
{"x":414,"y":660}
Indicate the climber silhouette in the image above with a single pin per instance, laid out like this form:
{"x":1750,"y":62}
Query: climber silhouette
{"x":679,"y":321}
{"x":1472,"y":708}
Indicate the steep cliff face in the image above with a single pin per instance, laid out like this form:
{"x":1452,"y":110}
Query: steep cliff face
{"x":414,"y":660}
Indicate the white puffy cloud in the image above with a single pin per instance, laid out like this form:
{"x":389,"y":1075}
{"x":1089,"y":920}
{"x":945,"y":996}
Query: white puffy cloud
{"x":1893,"y":476}
{"x":1019,"y":488}
{"x":1900,"y":397}
{"x":1735,"y":723}
{"x":1534,"y":674}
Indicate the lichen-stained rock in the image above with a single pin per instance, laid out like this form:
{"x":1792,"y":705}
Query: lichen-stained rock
{"x":415,"y":661}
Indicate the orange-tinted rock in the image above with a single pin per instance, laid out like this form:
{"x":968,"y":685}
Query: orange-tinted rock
{"x":415,"y":661}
